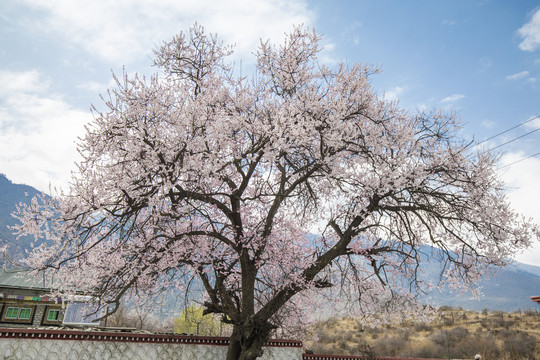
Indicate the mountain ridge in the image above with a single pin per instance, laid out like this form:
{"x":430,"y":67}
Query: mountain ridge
{"x":11,"y":195}
{"x":509,"y":291}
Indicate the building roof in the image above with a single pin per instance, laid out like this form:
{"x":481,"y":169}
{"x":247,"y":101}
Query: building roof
{"x":536,"y":299}
{"x":23,"y":279}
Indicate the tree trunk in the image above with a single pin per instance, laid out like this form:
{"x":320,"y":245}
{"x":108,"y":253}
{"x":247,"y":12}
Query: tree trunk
{"x":247,"y":341}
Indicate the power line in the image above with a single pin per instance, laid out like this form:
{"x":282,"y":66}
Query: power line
{"x":515,"y":162}
{"x":514,"y":139}
{"x":507,"y":130}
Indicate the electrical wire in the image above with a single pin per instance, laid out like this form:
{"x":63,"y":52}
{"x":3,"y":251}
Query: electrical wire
{"x":507,"y":130}
{"x":515,"y":162}
{"x":512,"y":140}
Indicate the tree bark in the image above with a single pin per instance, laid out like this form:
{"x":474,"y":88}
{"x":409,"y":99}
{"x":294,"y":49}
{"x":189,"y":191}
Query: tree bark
{"x":247,"y":341}
{"x":234,"y":351}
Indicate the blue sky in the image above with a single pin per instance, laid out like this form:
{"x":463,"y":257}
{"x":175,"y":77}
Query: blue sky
{"x":480,"y":58}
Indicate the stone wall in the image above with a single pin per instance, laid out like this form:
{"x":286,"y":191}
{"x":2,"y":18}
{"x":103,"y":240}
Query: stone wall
{"x":38,"y":314}
{"x":41,"y":344}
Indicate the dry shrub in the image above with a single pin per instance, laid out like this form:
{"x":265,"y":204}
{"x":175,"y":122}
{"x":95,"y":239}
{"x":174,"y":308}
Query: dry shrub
{"x":459,"y":343}
{"x":458,"y":333}
{"x":422,"y":326}
{"x":366,"y":351}
{"x":520,"y":346}
{"x":478,"y":343}
{"x":494,"y":336}
{"x":501,"y":323}
{"x":389,"y":345}
{"x":322,"y":348}
{"x":426,"y":349}
{"x":342,"y":347}
{"x":448,"y":321}
{"x":347,"y":336}
{"x":327,"y":336}
{"x":450,"y":337}
{"x":404,"y":333}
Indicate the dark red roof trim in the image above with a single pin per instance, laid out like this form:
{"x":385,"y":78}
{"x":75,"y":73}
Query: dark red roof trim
{"x":351,"y":357}
{"x":129,"y":337}
{"x":536,"y":299}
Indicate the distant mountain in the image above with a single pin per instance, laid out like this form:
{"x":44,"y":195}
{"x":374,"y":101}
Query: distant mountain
{"x":531,"y":269}
{"x":508,"y":291}
{"x":10,"y":195}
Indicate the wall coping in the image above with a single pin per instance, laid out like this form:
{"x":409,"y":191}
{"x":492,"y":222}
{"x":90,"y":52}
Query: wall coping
{"x":81,"y":335}
{"x":353,"y":357}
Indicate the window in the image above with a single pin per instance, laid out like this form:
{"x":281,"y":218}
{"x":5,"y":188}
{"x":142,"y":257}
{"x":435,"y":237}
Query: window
{"x":13,"y":313}
{"x":53,"y":315}
{"x":24,"y":313}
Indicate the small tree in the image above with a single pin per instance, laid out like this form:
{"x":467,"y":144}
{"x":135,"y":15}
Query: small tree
{"x":192,"y":320}
{"x":139,"y":318}
{"x":273,"y":192}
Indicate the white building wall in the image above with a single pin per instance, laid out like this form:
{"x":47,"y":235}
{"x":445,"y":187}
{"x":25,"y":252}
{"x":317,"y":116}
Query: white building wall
{"x":34,"y":349}
{"x":54,"y":349}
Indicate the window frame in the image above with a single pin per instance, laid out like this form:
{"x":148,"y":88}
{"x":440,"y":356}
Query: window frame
{"x":9,"y":310}
{"x":53,"y":311}
{"x":24,"y":310}
{"x":49,"y":309}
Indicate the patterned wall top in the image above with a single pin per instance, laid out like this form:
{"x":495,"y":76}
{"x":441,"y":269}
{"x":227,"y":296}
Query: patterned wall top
{"x":130,"y":337}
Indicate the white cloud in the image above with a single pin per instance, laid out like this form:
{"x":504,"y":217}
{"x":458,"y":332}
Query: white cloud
{"x":37,"y":132}
{"x":534,"y":122}
{"x":327,"y":54}
{"x":38,"y":127}
{"x":351,"y":32}
{"x":530,"y":32}
{"x":517,"y":76}
{"x":94,"y":87}
{"x":394,"y":93}
{"x":453,"y":98}
{"x":523,"y":75}
{"x":423,"y":107}
{"x":121,"y":31}
{"x":521,"y":180}
{"x":25,"y":81}
{"x":355,"y":25}
{"x":488,"y":124}
{"x":485,"y":63}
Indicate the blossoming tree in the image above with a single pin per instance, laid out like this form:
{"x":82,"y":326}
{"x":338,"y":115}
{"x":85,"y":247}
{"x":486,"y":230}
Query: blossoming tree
{"x":270,"y":192}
